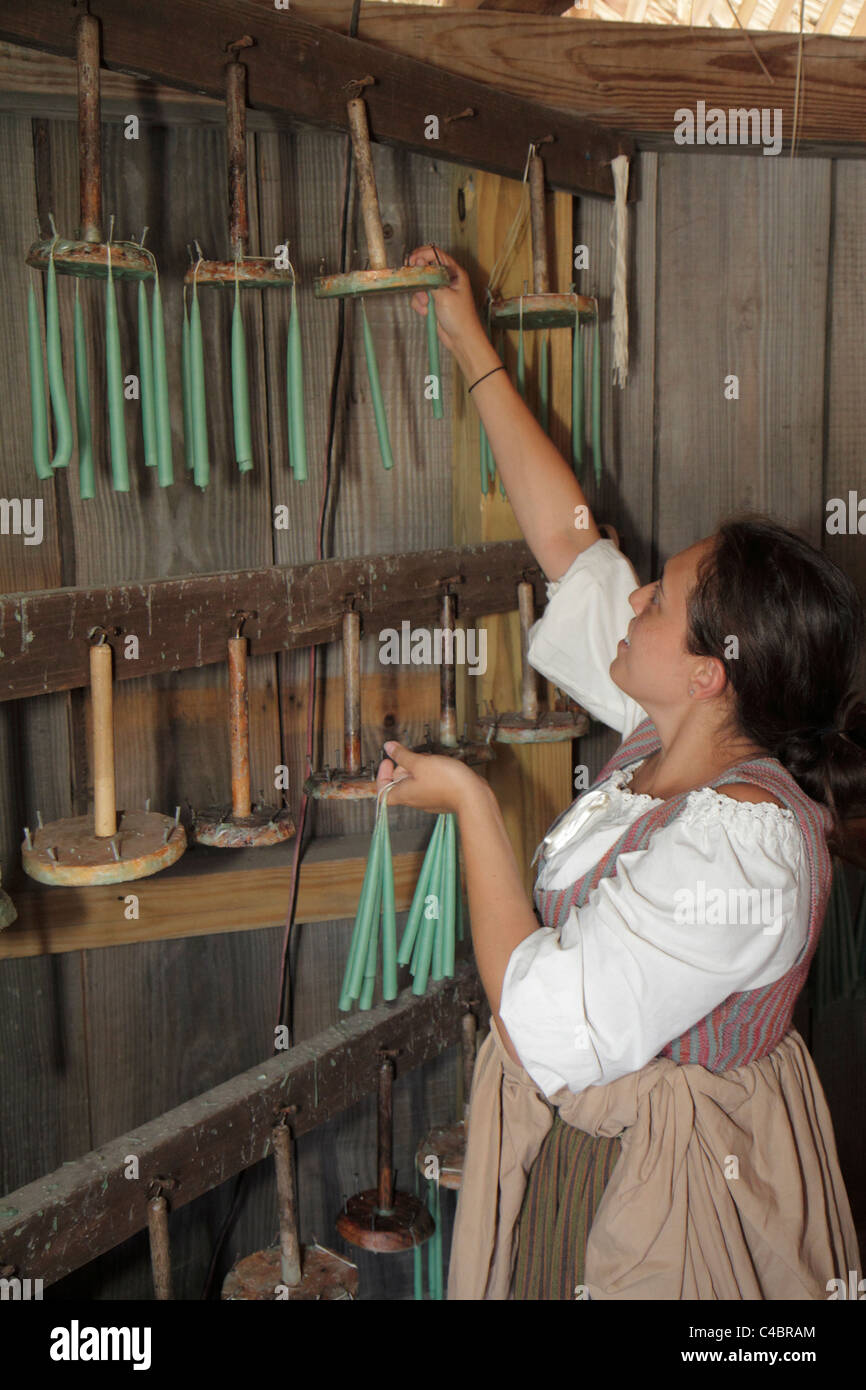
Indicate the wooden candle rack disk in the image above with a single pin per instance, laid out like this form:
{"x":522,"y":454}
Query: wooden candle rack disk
{"x":447,"y":1144}
{"x":338,"y":785}
{"x":557,"y":726}
{"x":405,"y":278}
{"x":325,"y":1276}
{"x":408,"y":1223}
{"x":266,"y":826}
{"x":89,"y":259}
{"x":8,"y":910}
{"x":84,"y":858}
{"x":464,"y":752}
{"x":542,"y":311}
{"x":257,"y":271}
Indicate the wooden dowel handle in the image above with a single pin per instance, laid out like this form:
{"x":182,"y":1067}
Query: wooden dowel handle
{"x":538,"y":222}
{"x":352,"y":691}
{"x":239,"y":720}
{"x":360,"y":133}
{"x":101,"y":696}
{"x":385,"y":1136}
{"x":529,"y":677}
{"x":469,"y":1032}
{"x":89,"y":129}
{"x":236,"y":142}
{"x":448,"y":678}
{"x":290,"y":1250}
{"x":160,"y":1251}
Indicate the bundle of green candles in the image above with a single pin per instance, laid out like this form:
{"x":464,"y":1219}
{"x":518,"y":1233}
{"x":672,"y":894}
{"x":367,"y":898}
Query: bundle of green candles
{"x":435,"y":918}
{"x":376,"y":383}
{"x":153,"y":385}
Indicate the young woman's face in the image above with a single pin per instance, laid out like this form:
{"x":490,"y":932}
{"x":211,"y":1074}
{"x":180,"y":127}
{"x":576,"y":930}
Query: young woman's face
{"x":654,"y":668}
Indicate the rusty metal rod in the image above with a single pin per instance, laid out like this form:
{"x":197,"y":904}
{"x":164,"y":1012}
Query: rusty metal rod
{"x":89,"y":129}
{"x":236,"y":142}
{"x":468,"y":1032}
{"x":160,"y":1251}
{"x":538,"y":223}
{"x":448,"y":677}
{"x":352,"y":692}
{"x":239,"y":723}
{"x":365,"y":174}
{"x":385,"y":1136}
{"x":290,"y":1250}
{"x":529,"y":677}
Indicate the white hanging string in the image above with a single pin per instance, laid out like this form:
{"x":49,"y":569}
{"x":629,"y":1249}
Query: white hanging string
{"x":619,"y":226}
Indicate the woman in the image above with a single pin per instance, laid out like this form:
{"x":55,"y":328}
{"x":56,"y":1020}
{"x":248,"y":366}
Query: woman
{"x":644,"y":1121}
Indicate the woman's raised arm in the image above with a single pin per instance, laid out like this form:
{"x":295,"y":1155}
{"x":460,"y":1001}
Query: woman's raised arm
{"x":541,"y":487}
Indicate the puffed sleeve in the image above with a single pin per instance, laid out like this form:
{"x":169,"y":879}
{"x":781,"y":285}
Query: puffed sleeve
{"x":631,"y":971}
{"x":574,"y":641}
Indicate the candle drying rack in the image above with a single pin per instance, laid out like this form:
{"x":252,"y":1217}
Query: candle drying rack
{"x":466,"y":749}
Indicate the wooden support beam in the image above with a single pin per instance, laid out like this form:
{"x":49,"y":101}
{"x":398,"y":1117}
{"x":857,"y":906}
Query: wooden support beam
{"x":181,"y":623}
{"x":301,"y":70}
{"x":206,"y":892}
{"x":67,"y":1218}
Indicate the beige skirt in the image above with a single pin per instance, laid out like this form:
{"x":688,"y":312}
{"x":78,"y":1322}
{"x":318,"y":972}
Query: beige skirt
{"x":728,"y":1185}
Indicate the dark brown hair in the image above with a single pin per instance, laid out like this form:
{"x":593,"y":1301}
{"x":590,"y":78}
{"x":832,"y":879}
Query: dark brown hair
{"x":800,"y":626}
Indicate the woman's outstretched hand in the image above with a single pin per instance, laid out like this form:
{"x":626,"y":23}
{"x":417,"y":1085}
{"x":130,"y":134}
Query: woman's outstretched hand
{"x":430,"y":781}
{"x":456,"y":316}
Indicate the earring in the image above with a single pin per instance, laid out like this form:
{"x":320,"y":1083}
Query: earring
{"x":691,"y":690}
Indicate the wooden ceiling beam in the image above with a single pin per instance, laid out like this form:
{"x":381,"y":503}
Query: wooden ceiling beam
{"x":302,"y":70}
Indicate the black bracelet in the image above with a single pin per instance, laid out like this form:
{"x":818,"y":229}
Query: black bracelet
{"x":500,"y":368}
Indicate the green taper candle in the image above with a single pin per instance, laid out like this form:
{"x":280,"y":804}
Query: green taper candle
{"x":416,"y":911}
{"x":433,"y":357}
{"x":164,"y":465}
{"x":56,"y":383}
{"x":521,"y":356}
{"x":38,"y":408}
{"x":363,"y":922}
{"x":83,"y":424}
{"x":449,"y":892}
{"x":240,"y":387}
{"x":295,"y":388}
{"x":577,"y":397}
{"x":186,"y":388}
{"x":145,"y":379}
{"x":376,"y":392}
{"x":389,"y":913}
{"x":544,"y":381}
{"x":114,"y":383}
{"x":368,"y":984}
{"x":596,"y":398}
{"x":201,"y":458}
{"x":431,"y":922}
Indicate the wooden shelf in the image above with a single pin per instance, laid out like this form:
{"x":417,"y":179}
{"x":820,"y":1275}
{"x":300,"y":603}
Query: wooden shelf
{"x":207,"y":891}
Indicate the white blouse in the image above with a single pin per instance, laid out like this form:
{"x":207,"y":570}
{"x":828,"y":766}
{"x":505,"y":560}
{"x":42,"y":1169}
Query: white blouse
{"x":659,"y":946}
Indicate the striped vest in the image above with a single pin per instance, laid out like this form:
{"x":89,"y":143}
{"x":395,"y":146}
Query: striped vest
{"x":749,"y":1024}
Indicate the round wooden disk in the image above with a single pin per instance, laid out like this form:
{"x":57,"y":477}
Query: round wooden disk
{"x":407,"y":278}
{"x":325,"y":1276}
{"x":267,"y":826}
{"x":341,"y":786}
{"x":83,"y":857}
{"x":557,"y":726}
{"x":410,"y":1223}
{"x":89,"y":259}
{"x":464,"y":752}
{"x":257,"y":272}
{"x":447,"y":1143}
{"x":542,"y":311}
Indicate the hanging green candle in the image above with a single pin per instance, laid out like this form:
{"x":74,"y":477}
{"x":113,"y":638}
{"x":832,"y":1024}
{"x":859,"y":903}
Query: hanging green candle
{"x":577,"y":389}
{"x":376,"y":392}
{"x":459,"y":901}
{"x":145,"y":376}
{"x":240,"y":387}
{"x":417,"y":1256}
{"x":201,"y":458}
{"x":363,"y":923}
{"x":114,"y":384}
{"x":295,"y":386}
{"x":521,"y":356}
{"x":433,"y":357}
{"x":434,"y":1244}
{"x":449,"y":897}
{"x":596,"y":397}
{"x":368,"y":983}
{"x":431,"y":921}
{"x":56,"y":384}
{"x":416,"y":911}
{"x":544,"y":382}
{"x":482,"y":455}
{"x":83,"y":423}
{"x":186,"y":388}
{"x":389,"y":913}
{"x":162,"y":409}
{"x":38,"y":408}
